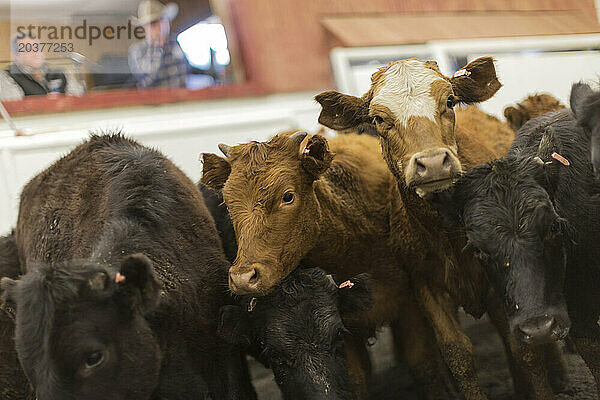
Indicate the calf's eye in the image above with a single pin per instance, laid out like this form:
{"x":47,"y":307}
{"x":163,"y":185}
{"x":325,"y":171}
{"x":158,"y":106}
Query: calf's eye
{"x":341,"y":333}
{"x":451,"y":102}
{"x":288,"y":198}
{"x":94,"y":359}
{"x":555,"y":228}
{"x":482,"y":256}
{"x":377,"y":119}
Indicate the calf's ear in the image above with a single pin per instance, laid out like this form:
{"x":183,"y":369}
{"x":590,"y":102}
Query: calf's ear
{"x":585,"y":104}
{"x":355,"y":295}
{"x":234,"y":325}
{"x":580,"y":93}
{"x":515,"y":117}
{"x":137,"y":286}
{"x":7,"y":287}
{"x":215,"y":171}
{"x":476,"y":81}
{"x":341,"y":111}
{"x":315,"y":156}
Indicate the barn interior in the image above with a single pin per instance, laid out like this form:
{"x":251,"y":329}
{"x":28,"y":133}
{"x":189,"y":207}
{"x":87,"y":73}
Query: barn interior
{"x":253,"y":70}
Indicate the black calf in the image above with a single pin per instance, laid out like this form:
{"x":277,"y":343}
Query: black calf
{"x":513,"y":228}
{"x":297,"y":331}
{"x":13,"y":383}
{"x":123,"y":279}
{"x":534,"y":219}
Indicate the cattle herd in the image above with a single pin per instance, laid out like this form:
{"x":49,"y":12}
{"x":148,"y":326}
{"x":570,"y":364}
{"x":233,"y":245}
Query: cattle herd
{"x":124,"y":280}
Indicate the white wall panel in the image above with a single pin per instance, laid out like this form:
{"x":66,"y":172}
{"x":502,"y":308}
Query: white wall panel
{"x":181,"y":131}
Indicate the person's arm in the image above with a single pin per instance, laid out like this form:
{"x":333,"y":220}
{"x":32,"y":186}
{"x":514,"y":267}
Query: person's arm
{"x":180,"y":78}
{"x":74,"y":86}
{"x":9,"y":89}
{"x":143,"y":78}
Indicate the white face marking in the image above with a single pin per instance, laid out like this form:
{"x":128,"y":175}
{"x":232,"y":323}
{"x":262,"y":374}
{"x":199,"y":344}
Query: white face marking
{"x":406,"y":91}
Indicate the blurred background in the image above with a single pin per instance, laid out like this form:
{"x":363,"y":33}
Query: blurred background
{"x":249,"y":69}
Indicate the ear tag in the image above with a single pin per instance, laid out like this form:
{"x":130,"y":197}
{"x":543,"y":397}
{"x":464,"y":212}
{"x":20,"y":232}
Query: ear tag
{"x":346,"y":284}
{"x":119,"y":278}
{"x":252,"y":304}
{"x":461,"y":72}
{"x":561,"y":159}
{"x":330,"y":278}
{"x":306,"y":151}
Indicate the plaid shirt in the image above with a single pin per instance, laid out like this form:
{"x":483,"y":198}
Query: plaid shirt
{"x":158,"y":66}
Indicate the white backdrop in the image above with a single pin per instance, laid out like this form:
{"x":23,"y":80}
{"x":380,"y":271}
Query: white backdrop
{"x":526,"y":73}
{"x":525,"y":65}
{"x":181,"y":131}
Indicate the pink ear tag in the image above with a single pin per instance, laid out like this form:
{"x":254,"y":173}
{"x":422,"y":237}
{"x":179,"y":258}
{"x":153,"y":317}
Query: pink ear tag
{"x":119,"y":278}
{"x":561,"y":159}
{"x":461,"y":72}
{"x":306,"y":151}
{"x":346,"y":284}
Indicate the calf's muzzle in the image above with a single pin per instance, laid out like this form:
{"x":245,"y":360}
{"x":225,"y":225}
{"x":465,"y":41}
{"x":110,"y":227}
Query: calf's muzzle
{"x":245,"y":279}
{"x":432,"y":169}
{"x":543,"y":329}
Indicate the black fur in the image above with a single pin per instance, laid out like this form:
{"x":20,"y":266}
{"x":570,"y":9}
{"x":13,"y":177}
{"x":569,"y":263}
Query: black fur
{"x":217,"y":208}
{"x":297,"y":331}
{"x":123,"y":265}
{"x":13,"y":382}
{"x":544,"y":219}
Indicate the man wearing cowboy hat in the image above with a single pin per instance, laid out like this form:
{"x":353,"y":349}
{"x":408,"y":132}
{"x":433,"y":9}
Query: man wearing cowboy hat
{"x":157,"y":61}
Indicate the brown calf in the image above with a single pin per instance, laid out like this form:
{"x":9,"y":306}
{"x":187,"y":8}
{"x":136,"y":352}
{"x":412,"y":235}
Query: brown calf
{"x":426,"y":145}
{"x":529,"y":108}
{"x":291,"y":201}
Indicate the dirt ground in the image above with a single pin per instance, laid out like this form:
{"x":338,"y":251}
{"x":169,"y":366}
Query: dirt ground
{"x":391,"y":381}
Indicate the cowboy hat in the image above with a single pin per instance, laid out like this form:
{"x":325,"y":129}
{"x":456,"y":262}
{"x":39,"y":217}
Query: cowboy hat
{"x":152,"y":10}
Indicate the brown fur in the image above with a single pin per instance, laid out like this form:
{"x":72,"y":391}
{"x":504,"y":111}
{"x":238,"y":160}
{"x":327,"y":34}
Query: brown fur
{"x":492,"y":138}
{"x":443,"y":275}
{"x":529,"y":108}
{"x":339,"y":222}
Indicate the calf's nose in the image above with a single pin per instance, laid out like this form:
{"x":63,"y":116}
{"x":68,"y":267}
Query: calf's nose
{"x":244,"y":282}
{"x":434,"y":166}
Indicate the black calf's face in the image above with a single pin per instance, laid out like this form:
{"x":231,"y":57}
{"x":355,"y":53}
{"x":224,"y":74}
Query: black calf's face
{"x":80,"y":333}
{"x":512,"y":227}
{"x":297,"y":331}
